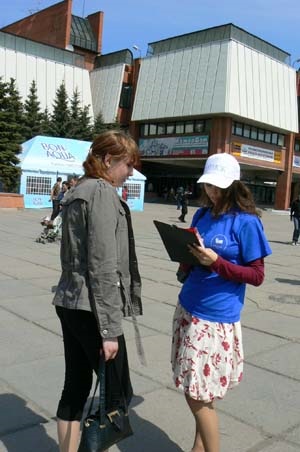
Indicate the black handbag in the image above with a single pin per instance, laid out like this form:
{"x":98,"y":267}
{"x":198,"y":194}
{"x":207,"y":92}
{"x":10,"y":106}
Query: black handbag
{"x":102,"y":429}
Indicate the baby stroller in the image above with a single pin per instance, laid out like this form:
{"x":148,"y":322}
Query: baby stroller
{"x":51,"y":231}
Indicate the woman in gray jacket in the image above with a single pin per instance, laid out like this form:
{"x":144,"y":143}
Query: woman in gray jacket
{"x":100,"y":281}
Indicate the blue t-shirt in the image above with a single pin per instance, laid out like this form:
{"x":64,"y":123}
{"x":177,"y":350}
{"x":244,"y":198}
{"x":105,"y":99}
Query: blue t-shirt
{"x":237,"y":237}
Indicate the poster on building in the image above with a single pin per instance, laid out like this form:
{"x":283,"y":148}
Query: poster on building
{"x":254,"y":152}
{"x":296,"y":161}
{"x":188,"y":146}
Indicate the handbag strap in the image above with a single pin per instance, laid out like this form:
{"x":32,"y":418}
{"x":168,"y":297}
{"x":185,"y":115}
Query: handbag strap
{"x":101,"y":382}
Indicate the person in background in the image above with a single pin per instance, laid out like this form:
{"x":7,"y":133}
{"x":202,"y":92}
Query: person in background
{"x":72,"y":181}
{"x":100,"y":282}
{"x":179,"y":192}
{"x":54,"y":198}
{"x":295,"y":217}
{"x":125,"y":192}
{"x":184,"y":204}
{"x":65,"y":186}
{"x":207,"y":351}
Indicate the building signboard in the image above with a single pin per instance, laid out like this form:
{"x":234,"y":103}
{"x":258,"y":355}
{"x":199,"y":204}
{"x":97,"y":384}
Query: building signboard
{"x":257,"y":153}
{"x":187,"y":146}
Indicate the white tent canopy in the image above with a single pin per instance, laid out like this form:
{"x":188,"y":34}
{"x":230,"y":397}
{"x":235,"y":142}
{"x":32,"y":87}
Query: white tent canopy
{"x":43,"y":159}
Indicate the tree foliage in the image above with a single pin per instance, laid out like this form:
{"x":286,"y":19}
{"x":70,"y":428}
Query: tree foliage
{"x":11,"y":134}
{"x":20,"y":122}
{"x":32,"y":114}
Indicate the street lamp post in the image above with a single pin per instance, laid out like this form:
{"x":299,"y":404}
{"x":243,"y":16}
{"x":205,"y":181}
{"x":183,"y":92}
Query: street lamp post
{"x":135,"y":47}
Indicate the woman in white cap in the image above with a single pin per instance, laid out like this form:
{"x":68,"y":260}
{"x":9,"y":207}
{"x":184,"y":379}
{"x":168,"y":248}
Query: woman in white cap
{"x":207,"y":351}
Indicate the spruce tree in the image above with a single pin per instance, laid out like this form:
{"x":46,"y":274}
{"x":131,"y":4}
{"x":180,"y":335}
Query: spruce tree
{"x":11,"y":134}
{"x":60,"y":118}
{"x":46,"y":127}
{"x":85,"y":132}
{"x":32,"y":113}
{"x":75,"y":111}
{"x":99,"y":125}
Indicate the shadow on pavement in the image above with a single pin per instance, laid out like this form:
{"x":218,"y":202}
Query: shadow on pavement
{"x":147,"y":437}
{"x":294,"y":282}
{"x":21,"y":429}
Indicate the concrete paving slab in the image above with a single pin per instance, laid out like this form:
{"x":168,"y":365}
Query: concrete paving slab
{"x":256,"y":343}
{"x":283,"y":360}
{"x":14,"y":288}
{"x":33,"y":308}
{"x":158,"y":352}
{"x":23,"y":342}
{"x":265,"y":400}
{"x":275,"y":323}
{"x":45,"y":389}
{"x":157,"y":316}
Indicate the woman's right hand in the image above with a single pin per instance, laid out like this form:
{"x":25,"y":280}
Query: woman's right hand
{"x":110,"y":348}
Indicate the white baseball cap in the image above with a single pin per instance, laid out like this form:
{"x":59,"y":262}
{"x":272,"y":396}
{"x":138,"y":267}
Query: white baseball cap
{"x":220,"y":170}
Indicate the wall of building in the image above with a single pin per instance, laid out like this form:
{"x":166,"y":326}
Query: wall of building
{"x":217,"y":78}
{"x":47,"y":74}
{"x":106,"y":86}
{"x":260,"y":88}
{"x":50,"y":26}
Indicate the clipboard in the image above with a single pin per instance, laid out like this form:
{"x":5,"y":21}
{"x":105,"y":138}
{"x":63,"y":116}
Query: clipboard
{"x":176,"y":241}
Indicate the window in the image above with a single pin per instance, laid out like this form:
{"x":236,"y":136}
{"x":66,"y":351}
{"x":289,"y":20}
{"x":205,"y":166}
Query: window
{"x":134,"y":190}
{"x":297,"y":146}
{"x":126,"y":96}
{"x":238,"y":130}
{"x":189,"y":127}
{"x":258,"y":134}
{"x":253,"y":133}
{"x":144,"y":130}
{"x":268,"y":136}
{"x":152,"y":129}
{"x":170,"y":128}
{"x":38,"y":185}
{"x":246,"y":131}
{"x":261,"y":135}
{"x":179,"y":127}
{"x":199,"y":126}
{"x":280,"y":140}
{"x":161,"y":129}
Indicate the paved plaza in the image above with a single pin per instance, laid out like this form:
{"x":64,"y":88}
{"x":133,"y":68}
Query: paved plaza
{"x":261,"y":415}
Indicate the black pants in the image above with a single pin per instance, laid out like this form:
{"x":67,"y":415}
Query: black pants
{"x":55,"y":209}
{"x":82,"y":343}
{"x":296,"y":229}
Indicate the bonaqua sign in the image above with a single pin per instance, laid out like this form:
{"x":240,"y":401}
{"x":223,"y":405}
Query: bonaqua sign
{"x":57,"y":151}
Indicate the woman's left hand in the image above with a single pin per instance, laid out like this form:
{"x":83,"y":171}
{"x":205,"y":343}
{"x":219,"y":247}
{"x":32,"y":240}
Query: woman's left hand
{"x":206,"y":256}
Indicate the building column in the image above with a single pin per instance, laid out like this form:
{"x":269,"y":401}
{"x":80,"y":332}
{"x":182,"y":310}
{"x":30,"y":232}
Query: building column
{"x":284,"y":180}
{"x":220,"y":135}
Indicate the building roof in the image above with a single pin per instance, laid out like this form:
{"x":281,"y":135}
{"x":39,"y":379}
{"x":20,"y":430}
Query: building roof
{"x":219,"y":33}
{"x":82,"y":34}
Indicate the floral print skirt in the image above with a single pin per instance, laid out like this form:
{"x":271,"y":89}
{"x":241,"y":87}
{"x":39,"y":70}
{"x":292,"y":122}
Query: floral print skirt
{"x":207,"y":357}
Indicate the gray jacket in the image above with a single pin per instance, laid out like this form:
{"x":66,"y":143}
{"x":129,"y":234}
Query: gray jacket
{"x":99,"y":265}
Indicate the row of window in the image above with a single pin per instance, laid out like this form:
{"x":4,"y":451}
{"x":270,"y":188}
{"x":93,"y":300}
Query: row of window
{"x":258,"y":134}
{"x":176,"y":128}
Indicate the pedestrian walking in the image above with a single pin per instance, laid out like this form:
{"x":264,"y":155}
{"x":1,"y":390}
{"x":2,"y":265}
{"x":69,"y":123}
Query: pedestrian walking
{"x":207,"y":351}
{"x":56,"y":189}
{"x":295,"y":217}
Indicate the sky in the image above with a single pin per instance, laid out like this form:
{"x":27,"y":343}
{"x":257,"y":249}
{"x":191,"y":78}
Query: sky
{"x":139,"y":22}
